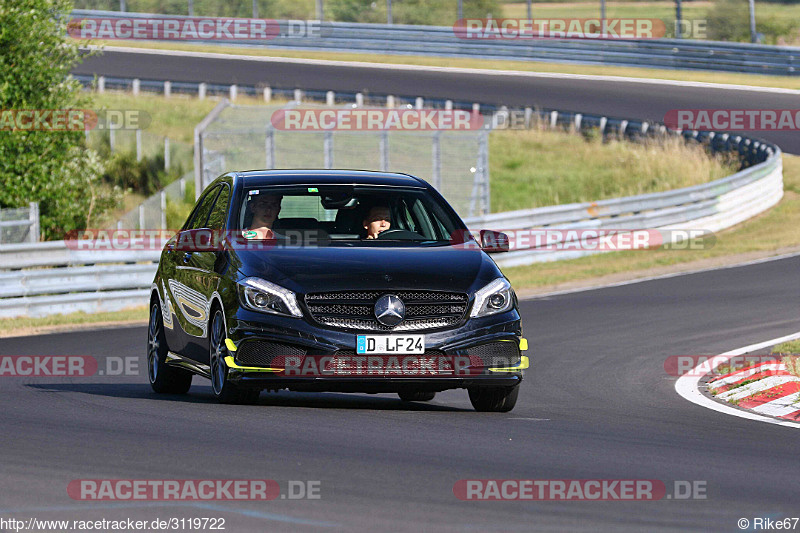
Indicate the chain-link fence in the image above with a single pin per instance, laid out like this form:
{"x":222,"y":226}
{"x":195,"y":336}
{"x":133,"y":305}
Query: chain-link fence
{"x":19,"y":224}
{"x":244,"y":138}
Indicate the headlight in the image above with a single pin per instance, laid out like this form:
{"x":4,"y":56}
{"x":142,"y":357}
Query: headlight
{"x":261,"y":295}
{"x":496,"y":297}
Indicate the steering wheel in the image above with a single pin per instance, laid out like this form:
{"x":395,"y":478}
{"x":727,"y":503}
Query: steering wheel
{"x":398,"y":233}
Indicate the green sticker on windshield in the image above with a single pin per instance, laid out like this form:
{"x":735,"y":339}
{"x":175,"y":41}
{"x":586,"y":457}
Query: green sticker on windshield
{"x":250,"y":234}
{"x":313,"y":189}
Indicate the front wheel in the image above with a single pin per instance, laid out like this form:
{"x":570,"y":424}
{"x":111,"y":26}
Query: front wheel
{"x":224,"y":390}
{"x":494,"y":399}
{"x":163,"y":378}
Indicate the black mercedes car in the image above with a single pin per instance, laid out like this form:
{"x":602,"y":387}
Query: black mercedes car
{"x":333,"y":280}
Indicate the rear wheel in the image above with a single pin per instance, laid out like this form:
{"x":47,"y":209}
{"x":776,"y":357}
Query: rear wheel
{"x":163,"y":378}
{"x":224,"y":390}
{"x":416,"y":396}
{"x":494,"y":399}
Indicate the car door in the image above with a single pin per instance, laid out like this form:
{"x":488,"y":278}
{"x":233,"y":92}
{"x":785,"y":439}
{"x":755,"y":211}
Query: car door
{"x":186,"y":290}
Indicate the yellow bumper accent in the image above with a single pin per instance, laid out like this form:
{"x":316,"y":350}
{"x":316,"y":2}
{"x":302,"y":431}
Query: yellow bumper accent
{"x":230,"y":345}
{"x":523,"y":344}
{"x":232,"y":365}
{"x":524,"y":363}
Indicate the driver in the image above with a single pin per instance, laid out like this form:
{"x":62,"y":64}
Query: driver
{"x":377,"y":220}
{"x":265,"y":209}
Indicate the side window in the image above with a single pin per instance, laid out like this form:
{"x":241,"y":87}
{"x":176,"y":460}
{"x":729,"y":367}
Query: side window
{"x":201,"y":211}
{"x":219,"y":214}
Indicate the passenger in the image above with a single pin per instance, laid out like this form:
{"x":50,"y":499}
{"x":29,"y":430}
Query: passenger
{"x":378,"y":220}
{"x":265,"y":209}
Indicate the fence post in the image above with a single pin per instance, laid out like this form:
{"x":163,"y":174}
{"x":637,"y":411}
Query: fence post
{"x":578,"y":120}
{"x":167,"y":89}
{"x":267,"y":94}
{"x":384,"y":149}
{"x":419,"y":102}
{"x":135,"y":86}
{"x":298,"y":95}
{"x":33,"y":214}
{"x":163,"y":209}
{"x":183,"y":188}
{"x":360,"y":99}
{"x":448,"y":105}
{"x":233,"y":92}
{"x":327,"y":144}
{"x":553,"y":118}
{"x":603,"y":122}
{"x":111,"y":136}
{"x":528,"y":115}
{"x":101,"y":84}
{"x":141,"y":216}
{"x":436,"y":150}
{"x":138,"y":145}
{"x":390,"y":101}
{"x":330,"y":98}
{"x":166,"y":153}
{"x":270,"y":147}
{"x":201,"y":91}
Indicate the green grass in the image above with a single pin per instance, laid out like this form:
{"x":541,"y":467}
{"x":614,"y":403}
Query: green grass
{"x":534,"y":168}
{"x":791,"y":347}
{"x":25,"y":325}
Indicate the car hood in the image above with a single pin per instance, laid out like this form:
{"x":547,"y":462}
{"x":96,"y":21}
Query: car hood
{"x":305,"y":270}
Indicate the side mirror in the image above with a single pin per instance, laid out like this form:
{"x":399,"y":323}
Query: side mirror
{"x":494,"y":242}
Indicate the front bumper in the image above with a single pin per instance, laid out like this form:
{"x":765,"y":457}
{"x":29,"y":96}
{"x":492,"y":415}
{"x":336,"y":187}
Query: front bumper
{"x":322,"y":343}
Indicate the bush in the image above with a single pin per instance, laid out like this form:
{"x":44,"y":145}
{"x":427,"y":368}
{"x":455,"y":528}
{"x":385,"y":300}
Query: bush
{"x":52,"y":168}
{"x":145,"y":177}
{"x":729,"y":20}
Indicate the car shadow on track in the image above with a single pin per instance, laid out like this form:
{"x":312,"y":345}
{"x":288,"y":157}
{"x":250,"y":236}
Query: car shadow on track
{"x":203,"y":395}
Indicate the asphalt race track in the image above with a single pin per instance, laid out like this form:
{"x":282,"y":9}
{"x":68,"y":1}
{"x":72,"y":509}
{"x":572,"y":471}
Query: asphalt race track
{"x":649,"y":101}
{"x":596,"y":404}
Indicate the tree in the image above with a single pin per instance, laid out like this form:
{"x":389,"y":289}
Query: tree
{"x":53,"y":168}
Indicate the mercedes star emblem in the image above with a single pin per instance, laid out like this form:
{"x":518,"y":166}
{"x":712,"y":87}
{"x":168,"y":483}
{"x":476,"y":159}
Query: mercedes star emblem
{"x":390,"y":310}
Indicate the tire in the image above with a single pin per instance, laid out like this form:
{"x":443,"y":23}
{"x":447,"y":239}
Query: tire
{"x":164,"y":379}
{"x":494,"y":399}
{"x":416,"y":396}
{"x":224,"y":390}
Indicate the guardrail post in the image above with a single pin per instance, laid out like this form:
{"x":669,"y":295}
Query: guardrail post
{"x":448,"y":105}
{"x":135,"y":86}
{"x":553,"y":118}
{"x":233,"y":92}
{"x":167,"y":89}
{"x":138,"y":145}
{"x":528,"y":116}
{"x":390,"y":101}
{"x":330,"y":98}
{"x":578,"y":120}
{"x":359,"y":99}
{"x":436,"y":163}
{"x":645,"y":126}
{"x":384,"y":149}
{"x":201,"y":91}
{"x":166,"y":153}
{"x":622,"y":127}
{"x":298,"y":95}
{"x":327,"y":146}
{"x":269,"y":147}
{"x":163,"y":209}
{"x":267,"y":94}
{"x":603,"y":123}
{"x":419,"y":102}
{"x":33,"y":216}
{"x":101,"y":84}
{"x":476,"y":108}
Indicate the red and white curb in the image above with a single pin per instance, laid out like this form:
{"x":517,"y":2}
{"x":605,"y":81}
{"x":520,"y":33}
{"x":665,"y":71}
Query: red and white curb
{"x":766,"y":388}
{"x":757,"y":400}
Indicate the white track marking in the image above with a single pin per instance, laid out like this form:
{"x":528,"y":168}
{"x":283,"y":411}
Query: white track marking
{"x":781,"y":406}
{"x":687,"y":385}
{"x":454,"y":70}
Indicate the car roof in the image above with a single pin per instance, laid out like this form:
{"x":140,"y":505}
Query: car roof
{"x":265,"y":178}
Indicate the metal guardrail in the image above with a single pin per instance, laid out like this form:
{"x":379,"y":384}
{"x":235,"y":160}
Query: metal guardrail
{"x":443,"y":41}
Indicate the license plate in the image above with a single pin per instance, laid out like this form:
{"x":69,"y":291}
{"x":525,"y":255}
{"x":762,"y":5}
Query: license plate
{"x":390,"y":344}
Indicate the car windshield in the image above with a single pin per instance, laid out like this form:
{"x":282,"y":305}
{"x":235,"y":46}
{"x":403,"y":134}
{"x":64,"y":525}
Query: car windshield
{"x":345,"y":215}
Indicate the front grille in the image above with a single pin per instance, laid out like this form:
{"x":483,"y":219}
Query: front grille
{"x":425,"y":310}
{"x":266,"y":353}
{"x":494,"y":354}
